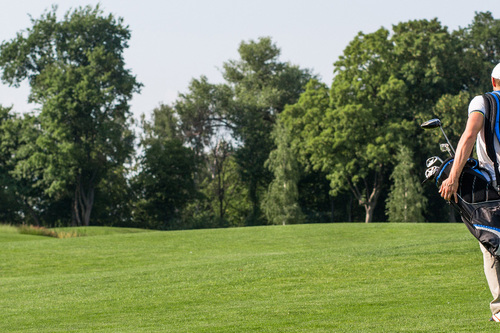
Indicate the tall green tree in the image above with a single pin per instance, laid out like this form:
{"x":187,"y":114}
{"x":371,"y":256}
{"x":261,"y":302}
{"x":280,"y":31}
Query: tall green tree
{"x":406,"y":201}
{"x":262,"y":86}
{"x":76,"y":71}
{"x":366,"y":120}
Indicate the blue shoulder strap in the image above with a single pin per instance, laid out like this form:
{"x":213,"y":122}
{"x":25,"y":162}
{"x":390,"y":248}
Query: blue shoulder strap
{"x":496,"y":96}
{"x":492,"y":129}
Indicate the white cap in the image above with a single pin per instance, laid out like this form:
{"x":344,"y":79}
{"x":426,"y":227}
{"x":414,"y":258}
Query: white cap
{"x":496,"y":72}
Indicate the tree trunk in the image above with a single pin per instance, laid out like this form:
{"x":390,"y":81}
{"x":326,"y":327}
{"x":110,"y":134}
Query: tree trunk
{"x":371,"y":193}
{"x":369,"y":209}
{"x":220,"y":194}
{"x":86,"y":203}
{"x":88,"y":208}
{"x":83,"y":201}
{"x":372,"y":203}
{"x":74,"y":218}
{"x":253,"y":219}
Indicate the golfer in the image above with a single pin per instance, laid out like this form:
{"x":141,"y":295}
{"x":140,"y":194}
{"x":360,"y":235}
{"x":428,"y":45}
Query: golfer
{"x":474,"y":133}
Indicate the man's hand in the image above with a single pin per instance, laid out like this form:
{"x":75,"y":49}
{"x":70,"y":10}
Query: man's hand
{"x":448,"y":189}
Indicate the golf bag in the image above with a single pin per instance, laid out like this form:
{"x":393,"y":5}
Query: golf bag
{"x":478,"y":203}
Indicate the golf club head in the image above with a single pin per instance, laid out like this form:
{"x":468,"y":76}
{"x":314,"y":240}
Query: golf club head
{"x":445,"y":147}
{"x":432,"y":160}
{"x":433,"y":123}
{"x":430,"y":173}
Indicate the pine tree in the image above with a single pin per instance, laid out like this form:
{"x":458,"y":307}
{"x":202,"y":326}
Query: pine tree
{"x":406,"y":201}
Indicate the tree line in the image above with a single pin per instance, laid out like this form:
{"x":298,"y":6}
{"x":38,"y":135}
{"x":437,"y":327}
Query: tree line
{"x":272,"y":144}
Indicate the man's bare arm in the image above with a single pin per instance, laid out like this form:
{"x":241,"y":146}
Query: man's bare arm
{"x":464,"y":149}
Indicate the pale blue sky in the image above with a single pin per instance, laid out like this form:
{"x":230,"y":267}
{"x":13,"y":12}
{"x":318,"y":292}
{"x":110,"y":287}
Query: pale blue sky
{"x":175,"y":41}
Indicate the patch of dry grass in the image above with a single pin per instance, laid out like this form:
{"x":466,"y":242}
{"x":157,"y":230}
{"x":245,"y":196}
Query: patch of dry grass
{"x":42,"y":231}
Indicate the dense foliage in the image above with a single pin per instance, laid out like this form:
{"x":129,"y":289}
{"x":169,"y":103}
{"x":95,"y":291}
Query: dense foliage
{"x":76,"y":71}
{"x":272,"y":144}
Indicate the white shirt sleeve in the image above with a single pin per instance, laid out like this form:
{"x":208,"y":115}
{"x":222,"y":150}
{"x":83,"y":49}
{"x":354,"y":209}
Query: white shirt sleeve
{"x":477,"y":104}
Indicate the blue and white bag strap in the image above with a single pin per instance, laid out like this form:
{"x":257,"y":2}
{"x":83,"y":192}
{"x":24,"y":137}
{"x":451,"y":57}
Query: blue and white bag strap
{"x":492,"y":129}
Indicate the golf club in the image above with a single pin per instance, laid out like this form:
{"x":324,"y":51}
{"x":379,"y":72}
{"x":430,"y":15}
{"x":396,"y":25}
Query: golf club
{"x":433,"y":123}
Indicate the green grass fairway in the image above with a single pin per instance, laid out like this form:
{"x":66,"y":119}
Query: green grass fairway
{"x":303,"y":278}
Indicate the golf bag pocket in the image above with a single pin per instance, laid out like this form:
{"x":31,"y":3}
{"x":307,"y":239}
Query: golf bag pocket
{"x":473,"y":185}
{"x":485,"y":226}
